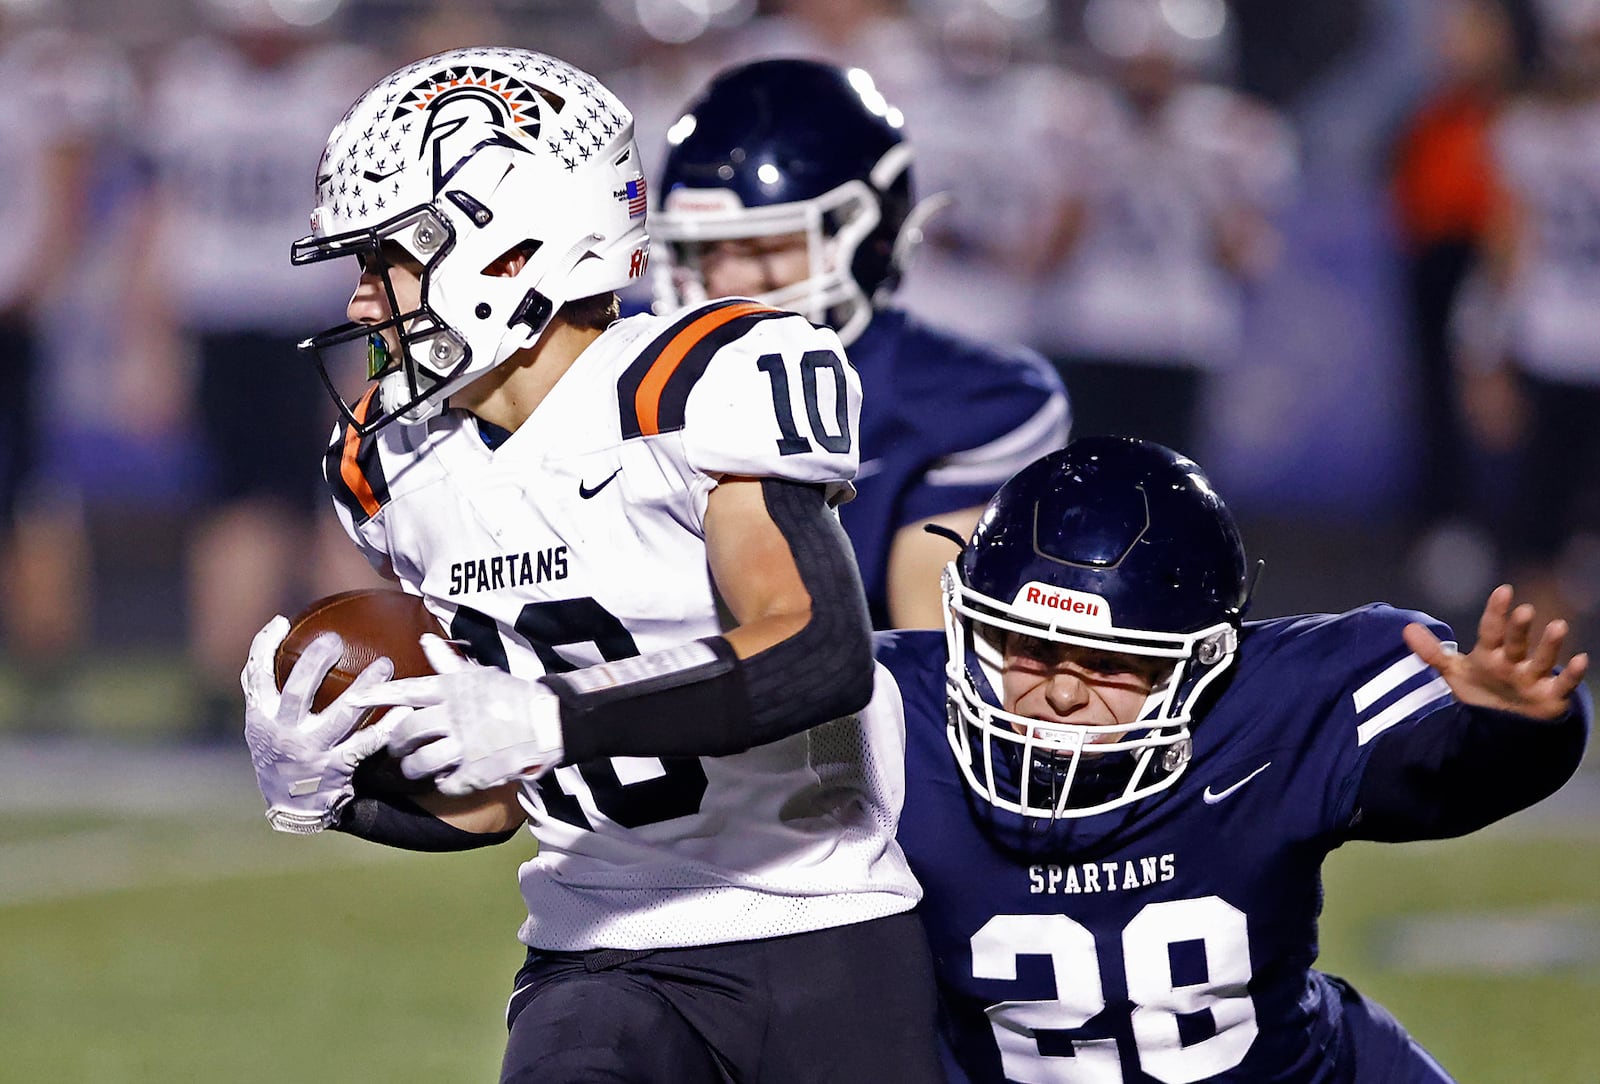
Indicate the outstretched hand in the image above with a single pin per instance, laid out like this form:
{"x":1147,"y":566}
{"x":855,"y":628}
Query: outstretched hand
{"x":1507,"y":670}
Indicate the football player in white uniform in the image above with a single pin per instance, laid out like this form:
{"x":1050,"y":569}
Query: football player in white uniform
{"x":629,"y":524}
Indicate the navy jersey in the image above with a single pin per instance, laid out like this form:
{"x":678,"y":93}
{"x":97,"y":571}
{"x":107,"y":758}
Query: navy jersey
{"x":1172,"y":939}
{"x":944,"y":421}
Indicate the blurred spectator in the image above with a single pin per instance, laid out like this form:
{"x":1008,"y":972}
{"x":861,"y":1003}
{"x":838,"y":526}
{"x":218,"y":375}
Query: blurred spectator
{"x":1442,"y":184}
{"x":63,"y":93}
{"x":878,"y":35}
{"x":977,"y":113}
{"x":1170,"y":186}
{"x":1532,"y":335}
{"x":981,"y":116}
{"x":457,"y":25}
{"x":234,"y":126}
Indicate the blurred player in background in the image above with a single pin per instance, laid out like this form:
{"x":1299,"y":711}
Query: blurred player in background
{"x":1121,"y":859}
{"x":1531,"y":342}
{"x":790,"y":181}
{"x":979,"y":106}
{"x":1444,"y":190}
{"x":231,"y":132}
{"x":65,"y":92}
{"x":630,"y":525}
{"x":1170,"y":183}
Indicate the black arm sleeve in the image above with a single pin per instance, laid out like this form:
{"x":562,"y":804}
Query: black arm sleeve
{"x":719,"y":704}
{"x":399,"y":822}
{"x":1464,"y":768}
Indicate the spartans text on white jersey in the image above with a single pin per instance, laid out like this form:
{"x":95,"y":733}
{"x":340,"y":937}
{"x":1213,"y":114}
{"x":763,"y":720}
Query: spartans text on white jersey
{"x":581,"y":539}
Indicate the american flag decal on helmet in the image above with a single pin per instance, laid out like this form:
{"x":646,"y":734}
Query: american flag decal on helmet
{"x":636,"y":200}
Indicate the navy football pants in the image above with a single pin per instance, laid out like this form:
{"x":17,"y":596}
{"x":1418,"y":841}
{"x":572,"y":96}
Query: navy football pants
{"x":1385,"y":1053}
{"x":849,"y":1005}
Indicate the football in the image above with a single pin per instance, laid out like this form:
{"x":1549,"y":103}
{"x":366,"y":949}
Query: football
{"x":373,"y":623}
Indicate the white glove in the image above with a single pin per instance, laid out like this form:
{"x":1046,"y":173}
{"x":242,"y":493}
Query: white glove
{"x":474,"y":726}
{"x":304,"y":760}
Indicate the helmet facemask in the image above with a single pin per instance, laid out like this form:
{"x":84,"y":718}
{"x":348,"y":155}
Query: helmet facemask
{"x":1052,"y":770}
{"x":431,"y":355}
{"x":511,"y":179}
{"x":833,"y":225}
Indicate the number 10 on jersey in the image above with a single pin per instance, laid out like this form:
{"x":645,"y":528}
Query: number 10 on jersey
{"x":832,"y":434}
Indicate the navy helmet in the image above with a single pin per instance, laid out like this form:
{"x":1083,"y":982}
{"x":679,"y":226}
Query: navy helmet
{"x":785,"y":146}
{"x":1111,"y":544}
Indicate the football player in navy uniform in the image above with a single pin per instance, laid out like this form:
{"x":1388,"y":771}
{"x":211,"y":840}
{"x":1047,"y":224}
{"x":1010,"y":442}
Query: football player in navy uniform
{"x":629,"y":524}
{"x":1120,"y":795}
{"x":790,"y":181}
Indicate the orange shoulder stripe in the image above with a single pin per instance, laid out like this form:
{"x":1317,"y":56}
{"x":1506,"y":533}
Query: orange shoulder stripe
{"x":349,"y":469}
{"x":647,"y":400}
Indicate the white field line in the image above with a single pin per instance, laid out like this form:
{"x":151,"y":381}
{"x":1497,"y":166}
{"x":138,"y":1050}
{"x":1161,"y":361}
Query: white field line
{"x":131,"y":856}
{"x":184,"y":817}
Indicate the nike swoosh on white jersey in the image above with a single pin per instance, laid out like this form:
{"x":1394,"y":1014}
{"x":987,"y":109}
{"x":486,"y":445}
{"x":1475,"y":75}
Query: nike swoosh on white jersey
{"x":1212,"y":798}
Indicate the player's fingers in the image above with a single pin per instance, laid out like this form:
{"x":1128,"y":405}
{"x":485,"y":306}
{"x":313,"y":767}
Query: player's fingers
{"x":1542,"y":659}
{"x":1572,"y":674}
{"x":257,"y":678}
{"x":1519,"y":628}
{"x":310,"y":668}
{"x":342,"y":715}
{"x":417,"y":728}
{"x":1425,"y":645}
{"x":417,"y":692}
{"x":368,"y":740}
{"x":377,"y":672}
{"x":1492,"y":624}
{"x":452,"y":786}
{"x":438,"y":756}
{"x":444,"y":658}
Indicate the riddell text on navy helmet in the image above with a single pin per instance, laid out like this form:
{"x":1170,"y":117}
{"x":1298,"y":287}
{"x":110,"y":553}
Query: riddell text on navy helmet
{"x":508,"y":570}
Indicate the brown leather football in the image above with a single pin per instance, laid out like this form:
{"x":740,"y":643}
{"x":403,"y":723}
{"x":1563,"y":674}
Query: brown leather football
{"x":373,"y":623}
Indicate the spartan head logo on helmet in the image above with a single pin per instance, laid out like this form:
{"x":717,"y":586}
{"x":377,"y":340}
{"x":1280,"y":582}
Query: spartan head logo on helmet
{"x":466,"y":107}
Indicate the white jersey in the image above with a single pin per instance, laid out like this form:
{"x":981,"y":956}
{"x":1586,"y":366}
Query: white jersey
{"x":1548,"y":157}
{"x":1143,"y":280}
{"x":581,"y":539}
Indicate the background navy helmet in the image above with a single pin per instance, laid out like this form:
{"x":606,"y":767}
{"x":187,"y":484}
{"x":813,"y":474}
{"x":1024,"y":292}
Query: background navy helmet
{"x":788,"y":146}
{"x":1111,"y":544}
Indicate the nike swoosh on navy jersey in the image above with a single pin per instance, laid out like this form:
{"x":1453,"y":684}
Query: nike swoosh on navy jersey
{"x":585,"y":492}
{"x":1212,"y":798}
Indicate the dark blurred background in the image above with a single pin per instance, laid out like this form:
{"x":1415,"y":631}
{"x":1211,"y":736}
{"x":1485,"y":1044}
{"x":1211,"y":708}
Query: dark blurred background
{"x":1377,"y":238}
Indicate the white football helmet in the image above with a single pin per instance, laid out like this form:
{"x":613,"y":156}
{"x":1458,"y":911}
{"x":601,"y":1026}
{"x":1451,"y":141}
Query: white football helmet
{"x":460,"y":159}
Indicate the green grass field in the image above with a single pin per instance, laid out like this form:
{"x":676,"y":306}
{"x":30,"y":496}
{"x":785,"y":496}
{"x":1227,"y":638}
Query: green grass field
{"x":166,"y":946}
